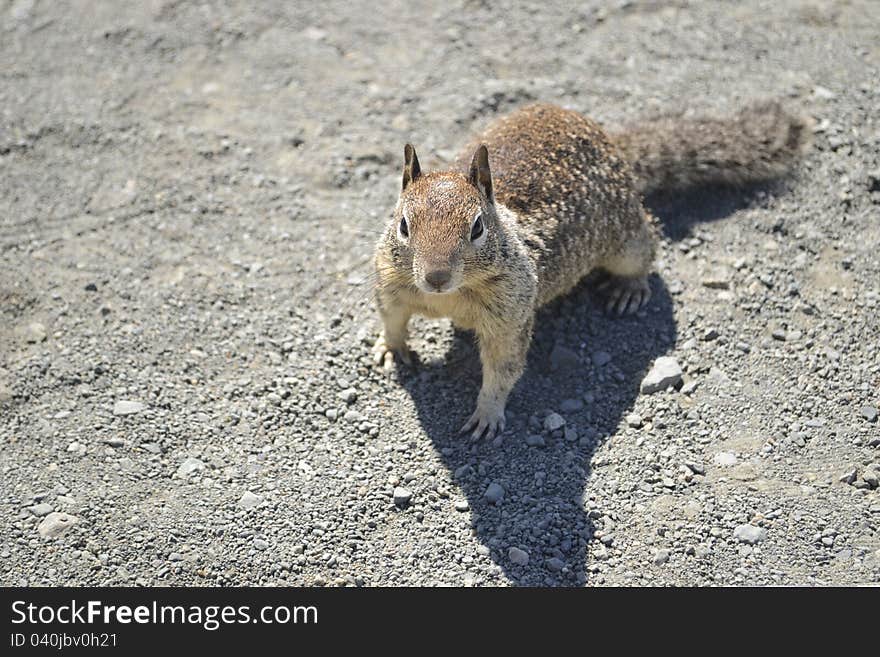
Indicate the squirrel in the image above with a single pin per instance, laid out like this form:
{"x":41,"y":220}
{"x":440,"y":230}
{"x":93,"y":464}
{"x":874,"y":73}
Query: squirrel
{"x":488,"y":247}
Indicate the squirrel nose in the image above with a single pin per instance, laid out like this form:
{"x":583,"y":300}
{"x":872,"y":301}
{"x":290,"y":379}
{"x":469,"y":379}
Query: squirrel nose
{"x":438,"y":278}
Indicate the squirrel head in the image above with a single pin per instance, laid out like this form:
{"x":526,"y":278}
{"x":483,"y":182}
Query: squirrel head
{"x":445,"y":224}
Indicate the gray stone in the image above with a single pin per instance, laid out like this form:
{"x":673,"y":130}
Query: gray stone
{"x":494,"y":493}
{"x":696,"y":468}
{"x":56,"y":524}
{"x":555,"y":564}
{"x":124,"y":407}
{"x":724,"y":459}
{"x":402,"y":496}
{"x":749,"y":534}
{"x":849,"y":476}
{"x":869,"y":413}
{"x":665,"y":373}
{"x":717,"y":280}
{"x":462,"y":505}
{"x":535,"y":440}
{"x":553,"y":422}
{"x":601,"y":358}
{"x":463,"y":472}
{"x":35,"y":332}
{"x":249,"y":500}
{"x":189,"y":466}
{"x":517,"y":556}
{"x":42,"y":509}
{"x":260,"y":544}
{"x":349,"y":395}
{"x":661,"y":557}
{"x":634,"y":420}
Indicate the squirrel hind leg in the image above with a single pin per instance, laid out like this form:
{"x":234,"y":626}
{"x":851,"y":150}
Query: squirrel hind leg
{"x":624,"y":295}
{"x":625,"y":285}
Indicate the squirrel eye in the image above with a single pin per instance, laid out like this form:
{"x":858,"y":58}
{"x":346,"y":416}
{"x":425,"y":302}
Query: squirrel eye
{"x":404,"y":227}
{"x":477,"y":228}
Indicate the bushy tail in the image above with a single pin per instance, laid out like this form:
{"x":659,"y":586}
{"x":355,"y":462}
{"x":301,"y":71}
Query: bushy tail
{"x":761,"y":142}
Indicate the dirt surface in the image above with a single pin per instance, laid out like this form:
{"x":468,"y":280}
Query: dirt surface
{"x":189,"y":197}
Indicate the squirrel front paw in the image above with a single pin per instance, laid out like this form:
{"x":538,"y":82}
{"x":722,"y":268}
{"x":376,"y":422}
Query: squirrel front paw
{"x":383,"y":353}
{"x":485,"y":420}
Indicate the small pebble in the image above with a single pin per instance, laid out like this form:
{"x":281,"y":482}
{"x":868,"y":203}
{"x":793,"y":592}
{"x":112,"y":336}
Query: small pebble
{"x":535,"y":440}
{"x":749,"y":534}
{"x":124,"y":407}
{"x":494,"y":493}
{"x":724,"y":459}
{"x":56,"y":524}
{"x":189,"y":466}
{"x":555,"y":564}
{"x":349,"y":395}
{"x":42,"y":509}
{"x":249,"y":500}
{"x":553,"y":422}
{"x":661,"y":557}
{"x":665,"y":373}
{"x":402,"y":496}
{"x":517,"y":556}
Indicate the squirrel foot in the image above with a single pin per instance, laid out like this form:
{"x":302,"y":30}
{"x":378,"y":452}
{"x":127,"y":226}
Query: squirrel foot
{"x":489,"y":421}
{"x":383,"y":354}
{"x":624,"y":296}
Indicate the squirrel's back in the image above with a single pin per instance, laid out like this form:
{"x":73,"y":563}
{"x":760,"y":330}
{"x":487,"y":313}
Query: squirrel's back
{"x":569,"y":186}
{"x":542,"y":155}
{"x":670,"y":152}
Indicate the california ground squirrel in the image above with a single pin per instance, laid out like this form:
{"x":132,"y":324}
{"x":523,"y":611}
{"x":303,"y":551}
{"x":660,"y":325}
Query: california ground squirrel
{"x":487,"y":249}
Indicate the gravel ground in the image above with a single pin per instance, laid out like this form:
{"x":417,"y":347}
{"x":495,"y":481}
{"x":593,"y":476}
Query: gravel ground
{"x":189,"y":195}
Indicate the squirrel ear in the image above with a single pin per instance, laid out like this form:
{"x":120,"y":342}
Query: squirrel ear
{"x":480,"y":176}
{"x":411,"y":168}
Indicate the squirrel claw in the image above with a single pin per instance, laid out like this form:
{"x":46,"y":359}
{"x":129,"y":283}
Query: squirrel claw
{"x":383,"y":355}
{"x":490,"y":423}
{"x":624,"y":296}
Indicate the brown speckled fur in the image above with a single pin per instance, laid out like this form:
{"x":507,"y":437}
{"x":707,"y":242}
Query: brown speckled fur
{"x":759,"y":143}
{"x":562,"y":200}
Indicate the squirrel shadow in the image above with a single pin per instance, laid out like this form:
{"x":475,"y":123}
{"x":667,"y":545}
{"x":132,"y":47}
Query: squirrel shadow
{"x":679,"y":211}
{"x":582,"y":365}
